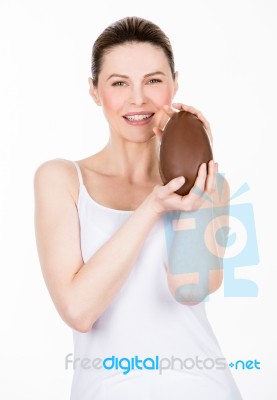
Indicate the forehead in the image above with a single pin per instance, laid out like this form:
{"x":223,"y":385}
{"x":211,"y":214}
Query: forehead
{"x":131,"y":58}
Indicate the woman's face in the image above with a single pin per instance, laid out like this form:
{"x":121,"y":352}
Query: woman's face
{"x":134,"y":83}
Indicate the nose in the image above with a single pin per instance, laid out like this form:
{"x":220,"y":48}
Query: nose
{"x":137,"y":95}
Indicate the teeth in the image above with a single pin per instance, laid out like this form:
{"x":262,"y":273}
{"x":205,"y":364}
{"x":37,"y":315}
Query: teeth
{"x":138,"y":117}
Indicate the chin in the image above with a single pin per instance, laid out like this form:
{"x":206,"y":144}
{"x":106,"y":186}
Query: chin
{"x":141,"y":138}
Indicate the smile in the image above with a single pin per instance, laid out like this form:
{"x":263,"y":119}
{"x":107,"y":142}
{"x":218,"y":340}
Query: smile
{"x":138,"y":117}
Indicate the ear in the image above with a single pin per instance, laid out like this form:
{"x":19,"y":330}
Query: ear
{"x":176,"y":84}
{"x":93,"y":92}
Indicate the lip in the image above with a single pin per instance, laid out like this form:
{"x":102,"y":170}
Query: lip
{"x":141,"y":122}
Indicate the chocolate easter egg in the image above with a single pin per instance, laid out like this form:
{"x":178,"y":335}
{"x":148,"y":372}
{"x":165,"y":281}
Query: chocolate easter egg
{"x":185,"y":145}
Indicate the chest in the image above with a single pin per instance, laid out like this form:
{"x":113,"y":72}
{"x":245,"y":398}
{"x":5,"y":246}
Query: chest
{"x":117,"y":193}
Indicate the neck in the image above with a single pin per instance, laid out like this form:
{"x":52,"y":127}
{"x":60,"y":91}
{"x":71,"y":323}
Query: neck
{"x":135,"y":162}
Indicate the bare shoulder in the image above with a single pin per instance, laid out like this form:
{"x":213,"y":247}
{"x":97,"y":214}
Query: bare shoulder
{"x":56,"y":174}
{"x":57,"y":166}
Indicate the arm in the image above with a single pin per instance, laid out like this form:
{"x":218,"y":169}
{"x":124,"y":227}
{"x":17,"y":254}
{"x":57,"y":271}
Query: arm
{"x":195,"y":258}
{"x":82,"y":291}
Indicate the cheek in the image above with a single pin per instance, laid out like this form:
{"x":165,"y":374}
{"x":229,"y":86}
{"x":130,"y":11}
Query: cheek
{"x":110,"y":100}
{"x":162,"y":97}
{"x":111,"y":103}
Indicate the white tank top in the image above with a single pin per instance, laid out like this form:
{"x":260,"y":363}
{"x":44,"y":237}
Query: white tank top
{"x":144,"y":328}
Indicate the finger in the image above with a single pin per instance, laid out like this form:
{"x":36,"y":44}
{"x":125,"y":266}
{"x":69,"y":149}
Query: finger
{"x":172,"y":186}
{"x":194,"y":111}
{"x":161,"y":119}
{"x":215,"y":176}
{"x":169,"y":110}
{"x":158,"y":133}
{"x":182,"y":106}
{"x":199,"y":187}
{"x":185,"y":107}
{"x":210,"y":180}
{"x":178,"y":106}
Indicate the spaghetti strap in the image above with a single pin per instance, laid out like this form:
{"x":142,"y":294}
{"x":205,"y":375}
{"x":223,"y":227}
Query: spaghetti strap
{"x":79,"y":173}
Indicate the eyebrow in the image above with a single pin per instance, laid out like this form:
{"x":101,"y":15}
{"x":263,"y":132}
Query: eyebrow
{"x":145,"y":76}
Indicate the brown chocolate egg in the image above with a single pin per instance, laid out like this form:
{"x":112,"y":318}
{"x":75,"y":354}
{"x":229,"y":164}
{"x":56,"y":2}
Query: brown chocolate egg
{"x":185,"y":145}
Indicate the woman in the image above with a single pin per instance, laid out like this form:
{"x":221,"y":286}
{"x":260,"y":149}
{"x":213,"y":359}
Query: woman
{"x":101,"y":238}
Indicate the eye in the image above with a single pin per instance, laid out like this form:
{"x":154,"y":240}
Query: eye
{"x":119,"y":83}
{"x":154,"y":80}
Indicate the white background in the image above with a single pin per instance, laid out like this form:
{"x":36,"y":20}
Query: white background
{"x":225,"y":53}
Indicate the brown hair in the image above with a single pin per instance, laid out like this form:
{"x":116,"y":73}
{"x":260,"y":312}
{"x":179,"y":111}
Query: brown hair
{"x":129,"y":29}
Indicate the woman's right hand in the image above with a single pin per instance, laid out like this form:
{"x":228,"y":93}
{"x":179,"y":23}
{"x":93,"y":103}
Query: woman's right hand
{"x":163,"y":197}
